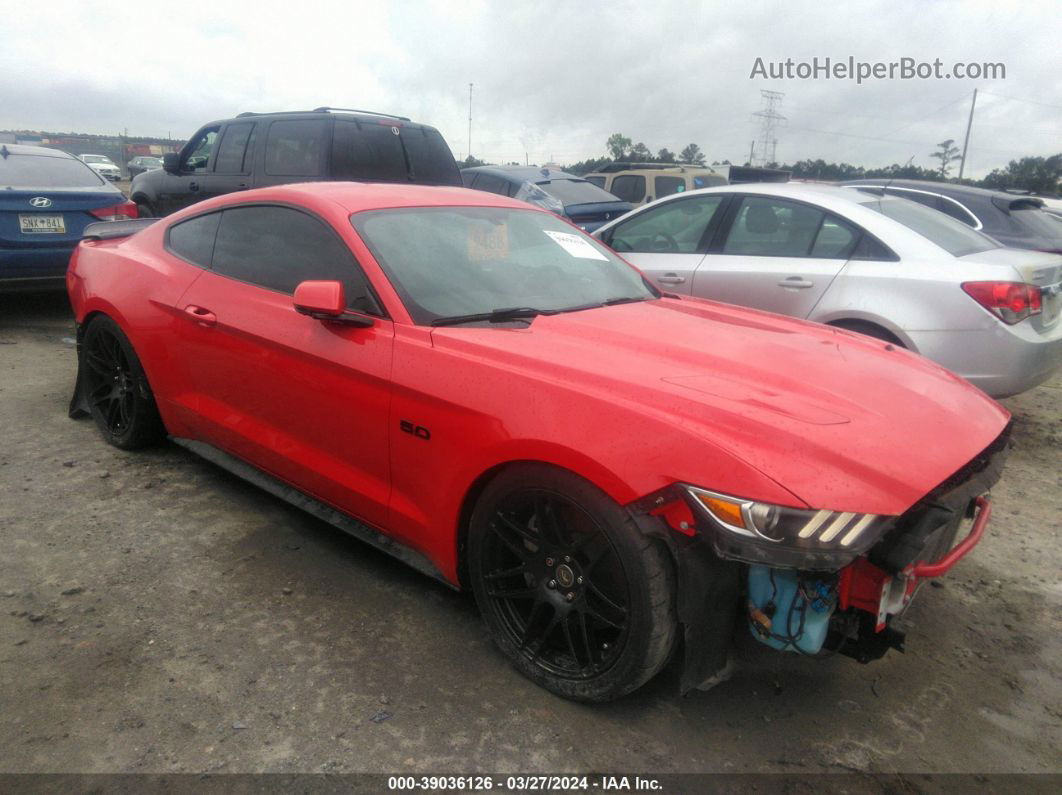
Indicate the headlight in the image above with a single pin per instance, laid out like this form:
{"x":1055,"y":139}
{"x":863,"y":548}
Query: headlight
{"x":759,"y":532}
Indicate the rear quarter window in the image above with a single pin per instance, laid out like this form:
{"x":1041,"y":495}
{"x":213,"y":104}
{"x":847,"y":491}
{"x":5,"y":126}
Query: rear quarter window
{"x":193,"y":240}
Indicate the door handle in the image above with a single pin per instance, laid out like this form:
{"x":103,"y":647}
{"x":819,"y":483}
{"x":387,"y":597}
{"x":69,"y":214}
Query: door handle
{"x":204,"y":317}
{"x":798,"y":282}
{"x":671,"y":278}
{"x":193,"y":186}
{"x":243,"y":186}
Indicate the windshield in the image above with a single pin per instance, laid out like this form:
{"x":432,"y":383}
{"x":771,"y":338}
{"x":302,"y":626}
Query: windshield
{"x":576,"y":191}
{"x":38,"y":171}
{"x":953,"y":236}
{"x":451,"y":261}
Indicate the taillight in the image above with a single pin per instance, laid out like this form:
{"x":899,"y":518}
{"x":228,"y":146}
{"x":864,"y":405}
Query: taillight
{"x":116,"y":212}
{"x":1011,"y":302}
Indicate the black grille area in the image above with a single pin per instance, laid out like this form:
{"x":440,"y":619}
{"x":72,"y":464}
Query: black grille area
{"x":927,"y":531}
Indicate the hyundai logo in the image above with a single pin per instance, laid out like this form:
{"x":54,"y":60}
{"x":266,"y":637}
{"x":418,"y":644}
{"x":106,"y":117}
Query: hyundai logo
{"x":41,"y":202}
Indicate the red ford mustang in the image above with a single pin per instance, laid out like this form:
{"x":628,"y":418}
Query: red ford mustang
{"x":487,"y":393}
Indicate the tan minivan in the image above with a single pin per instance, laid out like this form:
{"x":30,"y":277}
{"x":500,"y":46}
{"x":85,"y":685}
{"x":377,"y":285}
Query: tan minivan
{"x":640,"y":183}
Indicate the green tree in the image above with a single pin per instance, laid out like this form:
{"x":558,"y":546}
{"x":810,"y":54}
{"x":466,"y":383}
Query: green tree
{"x":1036,"y":174}
{"x":947,"y":153}
{"x":692,"y":154}
{"x":641,"y":153}
{"x":618,"y":145}
{"x":470,"y":162}
{"x":665,"y":155}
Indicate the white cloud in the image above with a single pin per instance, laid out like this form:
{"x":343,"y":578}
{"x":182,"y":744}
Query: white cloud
{"x":552,"y":79}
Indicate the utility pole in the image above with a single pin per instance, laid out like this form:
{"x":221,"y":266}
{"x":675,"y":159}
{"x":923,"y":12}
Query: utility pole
{"x":770,"y":118}
{"x":470,"y":122}
{"x":966,"y":141}
{"x":752,"y":151}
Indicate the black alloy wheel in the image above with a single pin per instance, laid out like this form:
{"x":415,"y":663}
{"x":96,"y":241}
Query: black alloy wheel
{"x":556,"y":584}
{"x":116,"y":388}
{"x":575,"y":595}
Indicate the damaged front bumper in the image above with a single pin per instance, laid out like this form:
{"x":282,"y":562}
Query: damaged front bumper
{"x":810,"y":596}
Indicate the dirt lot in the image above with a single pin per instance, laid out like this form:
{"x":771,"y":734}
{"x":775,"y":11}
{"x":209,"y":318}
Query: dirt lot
{"x":159,"y":615}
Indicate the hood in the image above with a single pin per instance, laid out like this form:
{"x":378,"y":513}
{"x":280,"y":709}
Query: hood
{"x":842,"y":421}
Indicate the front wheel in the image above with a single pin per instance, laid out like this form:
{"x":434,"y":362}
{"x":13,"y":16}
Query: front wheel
{"x":573,"y":593}
{"x":116,"y":388}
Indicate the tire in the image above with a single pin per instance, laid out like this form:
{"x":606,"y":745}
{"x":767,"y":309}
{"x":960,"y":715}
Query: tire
{"x":143,"y":209}
{"x":572,"y":592}
{"x":116,"y":388}
{"x":869,"y":330}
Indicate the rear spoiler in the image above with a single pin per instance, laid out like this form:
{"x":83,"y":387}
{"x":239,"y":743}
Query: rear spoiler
{"x":111,"y":230}
{"x":1006,"y":204}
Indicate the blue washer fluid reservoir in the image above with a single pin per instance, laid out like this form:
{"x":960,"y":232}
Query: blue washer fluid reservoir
{"x":790,"y":610}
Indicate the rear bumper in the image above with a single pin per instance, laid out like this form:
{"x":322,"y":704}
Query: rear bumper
{"x":33,"y":264}
{"x":999,"y":360}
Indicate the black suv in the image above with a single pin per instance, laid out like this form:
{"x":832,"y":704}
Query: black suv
{"x":256,"y":150}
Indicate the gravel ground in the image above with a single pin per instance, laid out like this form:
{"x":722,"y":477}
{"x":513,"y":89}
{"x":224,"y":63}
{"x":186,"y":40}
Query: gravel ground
{"x":160,"y":615}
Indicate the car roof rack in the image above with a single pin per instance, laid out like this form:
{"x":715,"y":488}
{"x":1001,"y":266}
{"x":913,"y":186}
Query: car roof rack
{"x":322,"y":109}
{"x":328,"y":109}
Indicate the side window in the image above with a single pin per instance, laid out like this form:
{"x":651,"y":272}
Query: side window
{"x":767,"y":227}
{"x":957,"y":211}
{"x":628,"y":187}
{"x":673,"y":227}
{"x":293,"y":148}
{"x":665,"y":186}
{"x":835,"y":239}
{"x":869,"y":248}
{"x":230,"y":159}
{"x":928,"y":199}
{"x":199,"y":153}
{"x":599,"y":181}
{"x":492,"y":184}
{"x":193,"y":240}
{"x":278,"y":247}
{"x":370,"y":152}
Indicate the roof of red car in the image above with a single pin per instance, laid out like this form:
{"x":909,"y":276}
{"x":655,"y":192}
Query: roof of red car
{"x":357,"y":196}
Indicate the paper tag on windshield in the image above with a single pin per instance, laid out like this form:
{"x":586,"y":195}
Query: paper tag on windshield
{"x":575,"y":245}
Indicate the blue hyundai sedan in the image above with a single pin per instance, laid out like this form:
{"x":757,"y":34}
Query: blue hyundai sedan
{"x":47,"y":197}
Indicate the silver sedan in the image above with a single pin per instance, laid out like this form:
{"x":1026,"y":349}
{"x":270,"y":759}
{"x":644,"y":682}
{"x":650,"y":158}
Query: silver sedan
{"x":886,"y":267}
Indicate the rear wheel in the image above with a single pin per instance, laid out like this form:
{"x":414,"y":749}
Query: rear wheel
{"x":116,"y":388}
{"x":573,"y":593}
{"x":144,"y":208}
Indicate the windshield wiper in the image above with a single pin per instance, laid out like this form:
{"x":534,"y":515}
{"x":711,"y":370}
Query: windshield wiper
{"x":495,"y":316}
{"x":624,"y":300}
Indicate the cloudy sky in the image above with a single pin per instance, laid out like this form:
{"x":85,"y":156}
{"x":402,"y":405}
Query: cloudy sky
{"x":552,"y":79}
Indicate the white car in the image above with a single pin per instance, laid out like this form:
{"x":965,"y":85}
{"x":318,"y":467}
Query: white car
{"x":103,"y":166}
{"x":883,"y":266}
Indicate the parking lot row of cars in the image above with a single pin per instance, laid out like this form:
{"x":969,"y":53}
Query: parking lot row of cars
{"x":617,"y":468}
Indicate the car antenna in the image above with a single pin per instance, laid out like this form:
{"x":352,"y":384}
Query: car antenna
{"x":891,"y":180}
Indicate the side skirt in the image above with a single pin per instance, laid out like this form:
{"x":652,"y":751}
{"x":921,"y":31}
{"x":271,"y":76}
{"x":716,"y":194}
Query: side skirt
{"x":315,"y":507}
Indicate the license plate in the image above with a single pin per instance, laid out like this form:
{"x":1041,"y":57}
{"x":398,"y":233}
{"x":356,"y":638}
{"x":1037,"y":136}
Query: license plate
{"x":42,"y":224}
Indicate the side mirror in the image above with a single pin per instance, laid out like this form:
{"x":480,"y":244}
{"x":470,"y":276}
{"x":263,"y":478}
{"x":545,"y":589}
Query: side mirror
{"x":171,"y":162}
{"x":326,"y":301}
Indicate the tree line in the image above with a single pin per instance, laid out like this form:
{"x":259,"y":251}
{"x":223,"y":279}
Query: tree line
{"x":1034,"y":174}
